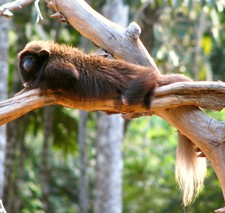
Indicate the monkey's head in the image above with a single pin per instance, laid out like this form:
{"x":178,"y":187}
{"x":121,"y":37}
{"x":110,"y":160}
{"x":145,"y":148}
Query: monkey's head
{"x":32,"y":60}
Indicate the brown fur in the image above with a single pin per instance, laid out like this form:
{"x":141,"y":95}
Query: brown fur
{"x":89,"y":76}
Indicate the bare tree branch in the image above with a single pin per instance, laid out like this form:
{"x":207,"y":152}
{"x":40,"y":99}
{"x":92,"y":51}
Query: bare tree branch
{"x":6,"y":9}
{"x":208,"y":95}
{"x":103,"y":32}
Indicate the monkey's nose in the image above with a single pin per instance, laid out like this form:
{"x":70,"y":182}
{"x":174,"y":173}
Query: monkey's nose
{"x":27,"y":66}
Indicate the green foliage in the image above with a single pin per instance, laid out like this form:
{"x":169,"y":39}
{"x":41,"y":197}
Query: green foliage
{"x":195,"y":26}
{"x":31,"y":195}
{"x":65,"y":133}
{"x":148,"y":165}
{"x":64,"y":184}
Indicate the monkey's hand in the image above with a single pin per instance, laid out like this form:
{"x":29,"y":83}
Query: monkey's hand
{"x":25,"y":89}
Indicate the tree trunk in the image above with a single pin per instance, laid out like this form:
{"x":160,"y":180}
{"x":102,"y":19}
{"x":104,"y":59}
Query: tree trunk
{"x":45,"y":158}
{"x":83,"y":185}
{"x":16,"y":131}
{"x":4,"y":46}
{"x":199,"y":30}
{"x":108,"y":185}
{"x":148,"y":16}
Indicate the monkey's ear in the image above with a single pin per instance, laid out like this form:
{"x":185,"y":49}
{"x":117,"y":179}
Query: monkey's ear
{"x":44,"y":53}
{"x":69,"y":69}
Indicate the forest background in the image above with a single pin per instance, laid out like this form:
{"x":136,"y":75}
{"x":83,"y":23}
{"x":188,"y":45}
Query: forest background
{"x":50,"y":162}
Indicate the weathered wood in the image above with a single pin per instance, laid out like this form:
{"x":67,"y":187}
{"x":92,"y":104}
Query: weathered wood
{"x":6,"y":9}
{"x":103,"y":32}
{"x":208,"y":95}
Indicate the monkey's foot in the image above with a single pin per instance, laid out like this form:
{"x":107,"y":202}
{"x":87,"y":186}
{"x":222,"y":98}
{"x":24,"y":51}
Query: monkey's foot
{"x":59,"y":16}
{"x":26,"y":88}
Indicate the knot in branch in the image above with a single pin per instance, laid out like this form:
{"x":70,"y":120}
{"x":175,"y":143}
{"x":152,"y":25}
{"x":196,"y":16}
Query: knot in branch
{"x":133,"y":30}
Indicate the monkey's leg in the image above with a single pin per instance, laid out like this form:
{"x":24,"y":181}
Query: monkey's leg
{"x":140,"y":90}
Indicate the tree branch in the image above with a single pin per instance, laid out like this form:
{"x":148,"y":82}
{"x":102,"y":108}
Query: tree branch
{"x":6,"y":9}
{"x":103,"y":32}
{"x":208,"y":95}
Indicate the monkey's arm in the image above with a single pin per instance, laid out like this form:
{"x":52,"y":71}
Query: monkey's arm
{"x":56,"y":76}
{"x":58,"y":70}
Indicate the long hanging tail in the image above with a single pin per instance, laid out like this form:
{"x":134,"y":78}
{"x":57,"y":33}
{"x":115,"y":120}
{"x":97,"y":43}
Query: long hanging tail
{"x":190,"y":170}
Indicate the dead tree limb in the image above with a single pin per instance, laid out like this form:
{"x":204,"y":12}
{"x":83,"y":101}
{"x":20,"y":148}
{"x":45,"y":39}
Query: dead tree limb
{"x":7,"y":9}
{"x":209,"y":95}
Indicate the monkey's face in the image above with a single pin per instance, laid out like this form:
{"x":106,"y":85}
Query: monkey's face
{"x":29,"y":63}
{"x":29,"y":66}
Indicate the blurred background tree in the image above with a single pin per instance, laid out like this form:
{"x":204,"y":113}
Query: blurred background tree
{"x":47,"y":169}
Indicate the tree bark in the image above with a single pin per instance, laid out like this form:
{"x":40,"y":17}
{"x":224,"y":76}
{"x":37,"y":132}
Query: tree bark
{"x":46,"y":158}
{"x":4,"y":46}
{"x":7,"y":8}
{"x":199,"y":30}
{"x":16,"y":131}
{"x":209,"y":95}
{"x":83,"y":185}
{"x":107,"y":192}
{"x":102,"y":32}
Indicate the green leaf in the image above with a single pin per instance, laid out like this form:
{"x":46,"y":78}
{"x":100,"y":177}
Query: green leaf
{"x":206,"y":44}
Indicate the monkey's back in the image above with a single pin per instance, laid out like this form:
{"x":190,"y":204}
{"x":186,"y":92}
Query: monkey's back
{"x":99,"y":76}
{"x":88,"y":76}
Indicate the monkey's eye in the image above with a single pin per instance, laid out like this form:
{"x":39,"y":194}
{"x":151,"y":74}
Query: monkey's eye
{"x":31,"y":59}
